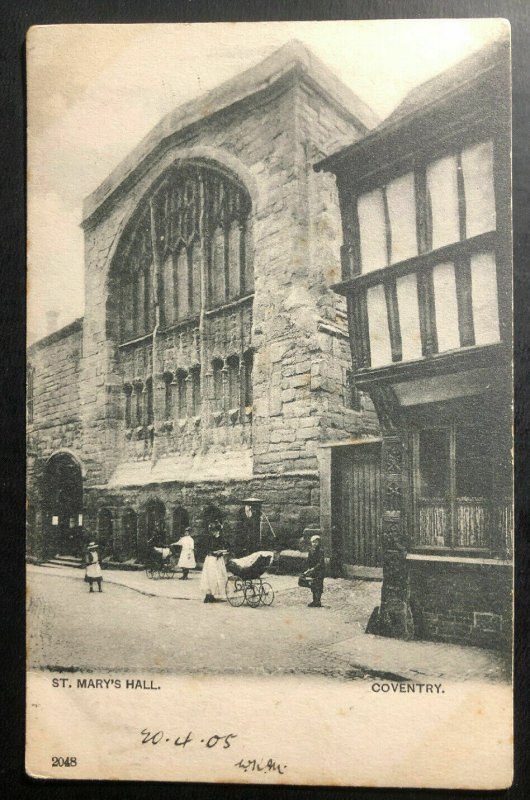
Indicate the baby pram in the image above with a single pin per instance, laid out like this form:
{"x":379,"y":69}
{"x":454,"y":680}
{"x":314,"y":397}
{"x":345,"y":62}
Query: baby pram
{"x":159,"y":563}
{"x":245,"y":584}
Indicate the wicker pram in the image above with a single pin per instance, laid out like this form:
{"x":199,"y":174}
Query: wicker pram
{"x":245,"y":584}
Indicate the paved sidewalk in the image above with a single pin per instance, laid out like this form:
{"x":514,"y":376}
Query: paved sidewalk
{"x":172,"y":588}
{"x":419,"y":661}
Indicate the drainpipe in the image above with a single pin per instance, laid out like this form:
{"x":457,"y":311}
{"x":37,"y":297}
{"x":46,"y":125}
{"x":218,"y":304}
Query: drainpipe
{"x":156,"y":303}
{"x":202,"y":339}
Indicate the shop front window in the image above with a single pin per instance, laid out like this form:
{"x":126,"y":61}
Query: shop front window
{"x":453,"y":492}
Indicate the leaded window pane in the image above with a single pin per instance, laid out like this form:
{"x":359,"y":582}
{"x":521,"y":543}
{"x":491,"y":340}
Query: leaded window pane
{"x":218,"y":267}
{"x":234,"y":259}
{"x":139,"y":319}
{"x":473,"y":467}
{"x":128,"y":316}
{"x":149,"y":312}
{"x":168,"y":295}
{"x":434,"y":481}
{"x":434,"y":463}
{"x":195,"y":258}
{"x":182,"y":284}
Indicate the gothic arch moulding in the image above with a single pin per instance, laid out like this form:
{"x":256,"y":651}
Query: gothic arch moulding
{"x":205,"y":156}
{"x":195,"y":212}
{"x":64,"y":451}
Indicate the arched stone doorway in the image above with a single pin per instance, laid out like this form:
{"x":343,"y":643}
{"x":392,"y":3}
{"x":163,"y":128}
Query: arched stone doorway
{"x":181,"y":520}
{"x":129,"y":544}
{"x":155,"y":523}
{"x":211,"y":514}
{"x":105,"y":533}
{"x":63,"y":506}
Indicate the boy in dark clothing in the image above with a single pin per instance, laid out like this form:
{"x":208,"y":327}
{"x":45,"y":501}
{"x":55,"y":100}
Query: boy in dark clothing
{"x":315,"y":570}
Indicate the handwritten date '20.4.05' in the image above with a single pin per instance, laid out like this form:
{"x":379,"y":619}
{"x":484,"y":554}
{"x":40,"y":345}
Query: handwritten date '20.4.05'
{"x":219,"y":741}
{"x":223,"y":741}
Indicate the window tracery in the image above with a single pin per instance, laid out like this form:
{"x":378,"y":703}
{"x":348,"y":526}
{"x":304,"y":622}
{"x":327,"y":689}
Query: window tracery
{"x":197,"y":221}
{"x":184,"y":262}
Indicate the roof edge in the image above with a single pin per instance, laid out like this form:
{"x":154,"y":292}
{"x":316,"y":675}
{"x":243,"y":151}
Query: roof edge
{"x":394,"y":122}
{"x":67,"y":330}
{"x":261,"y":76}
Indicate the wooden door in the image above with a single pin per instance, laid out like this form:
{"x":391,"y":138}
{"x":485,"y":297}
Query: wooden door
{"x":357,"y":504}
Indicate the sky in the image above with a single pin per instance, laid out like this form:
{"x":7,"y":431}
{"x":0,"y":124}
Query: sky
{"x":94,"y":91}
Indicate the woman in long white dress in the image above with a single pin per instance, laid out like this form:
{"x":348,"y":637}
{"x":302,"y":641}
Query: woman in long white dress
{"x":187,"y":554}
{"x":214,"y":575}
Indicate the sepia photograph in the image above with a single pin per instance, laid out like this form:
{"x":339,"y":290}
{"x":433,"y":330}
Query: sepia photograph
{"x":269,"y":403}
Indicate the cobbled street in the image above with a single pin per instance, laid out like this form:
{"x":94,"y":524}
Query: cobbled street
{"x":125,"y":629}
{"x":142,"y":625}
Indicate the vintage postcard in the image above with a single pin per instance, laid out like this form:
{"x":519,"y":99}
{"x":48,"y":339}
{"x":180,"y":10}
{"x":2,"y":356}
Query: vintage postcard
{"x":269,"y":403}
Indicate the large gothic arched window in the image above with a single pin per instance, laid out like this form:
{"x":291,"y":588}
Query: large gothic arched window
{"x":187,"y":247}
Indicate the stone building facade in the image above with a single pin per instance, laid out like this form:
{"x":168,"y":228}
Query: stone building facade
{"x":212,"y":363}
{"x":54,"y":426}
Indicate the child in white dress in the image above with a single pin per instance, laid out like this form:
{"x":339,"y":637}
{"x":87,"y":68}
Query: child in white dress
{"x":93,"y":570}
{"x":187,"y":554}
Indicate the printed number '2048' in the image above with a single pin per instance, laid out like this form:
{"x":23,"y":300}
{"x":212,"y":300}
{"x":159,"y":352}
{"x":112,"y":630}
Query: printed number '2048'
{"x":66,"y":761}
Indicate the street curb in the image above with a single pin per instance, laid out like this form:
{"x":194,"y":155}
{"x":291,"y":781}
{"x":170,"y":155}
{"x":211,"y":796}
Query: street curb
{"x":136,"y":589}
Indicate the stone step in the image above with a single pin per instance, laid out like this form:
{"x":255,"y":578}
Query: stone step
{"x":73,"y":561}
{"x":65,"y":561}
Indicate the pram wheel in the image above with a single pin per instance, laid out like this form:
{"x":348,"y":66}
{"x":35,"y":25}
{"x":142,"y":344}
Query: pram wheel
{"x":253,"y":595}
{"x":267,"y":594}
{"x":150,"y":572}
{"x":235,"y":591}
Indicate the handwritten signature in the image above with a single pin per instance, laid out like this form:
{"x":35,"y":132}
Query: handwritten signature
{"x":255,"y":765}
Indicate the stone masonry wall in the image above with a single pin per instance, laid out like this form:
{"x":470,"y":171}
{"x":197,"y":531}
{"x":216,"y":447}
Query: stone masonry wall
{"x":323,"y":131}
{"x":56,"y":424}
{"x":291,"y":504}
{"x":465,"y":603}
{"x":56,"y":421}
{"x":263,"y":141}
